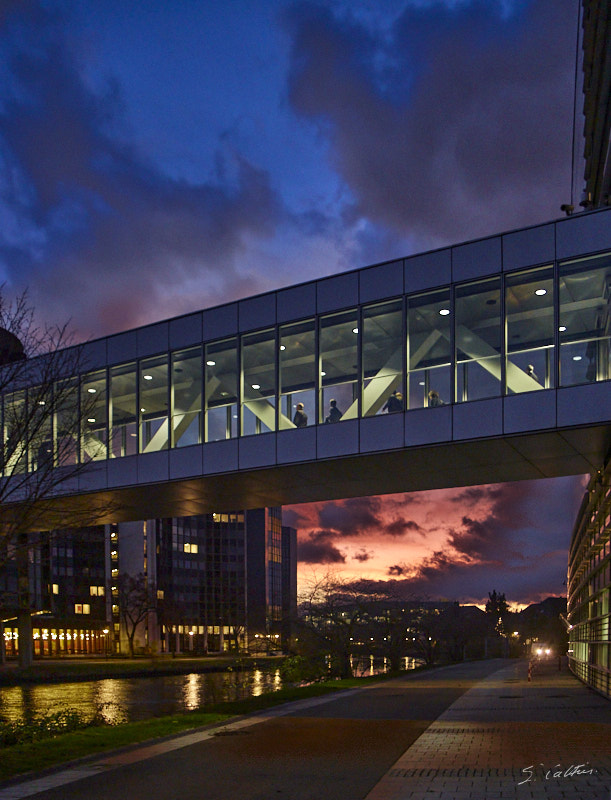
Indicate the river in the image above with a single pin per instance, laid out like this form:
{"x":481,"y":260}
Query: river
{"x":130,"y":699}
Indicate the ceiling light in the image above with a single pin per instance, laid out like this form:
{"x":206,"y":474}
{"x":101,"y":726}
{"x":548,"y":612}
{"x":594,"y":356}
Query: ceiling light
{"x":444,"y":312}
{"x":148,"y":377}
{"x":41,"y":403}
{"x":322,"y":372}
{"x":210,"y":363}
{"x":143,"y":410}
{"x":256,"y":386}
{"x":562,"y":328}
{"x":421,"y":383}
{"x":355,"y":330}
{"x":92,"y":391}
{"x":91,"y":419}
{"x":282,"y":347}
{"x":576,"y":358}
{"x":540,"y":292}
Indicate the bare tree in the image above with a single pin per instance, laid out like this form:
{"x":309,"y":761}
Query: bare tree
{"x":40,"y":449}
{"x":136,"y":601}
{"x":332,"y":611}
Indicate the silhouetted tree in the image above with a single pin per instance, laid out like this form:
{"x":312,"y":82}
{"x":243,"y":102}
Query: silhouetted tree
{"x":136,"y":601}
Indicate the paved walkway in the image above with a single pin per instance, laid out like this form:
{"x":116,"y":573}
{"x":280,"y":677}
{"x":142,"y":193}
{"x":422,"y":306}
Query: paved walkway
{"x":510,"y":738}
{"x":502,"y":738}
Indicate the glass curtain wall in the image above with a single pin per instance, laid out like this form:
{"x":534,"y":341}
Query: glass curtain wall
{"x":584,"y":321}
{"x":529,"y":330}
{"x":221,"y":384}
{"x":154,"y":396}
{"x":15,"y":456}
{"x":429,"y":349}
{"x":66,"y":422}
{"x":339,"y":368}
{"x":39,"y":436}
{"x":478,"y":340}
{"x":94,"y":424}
{"x":258,"y":382}
{"x":186,"y":397}
{"x":297,"y":372}
{"x":382,"y":358}
{"x":123,"y":411}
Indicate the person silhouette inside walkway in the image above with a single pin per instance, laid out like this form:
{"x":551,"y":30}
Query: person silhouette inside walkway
{"x":334,"y":413}
{"x":530,"y":371}
{"x":300,"y":420}
{"x":434,"y":399}
{"x":394,"y":402}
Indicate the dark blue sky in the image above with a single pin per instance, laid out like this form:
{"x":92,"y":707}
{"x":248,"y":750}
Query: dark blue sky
{"x":160,"y":157}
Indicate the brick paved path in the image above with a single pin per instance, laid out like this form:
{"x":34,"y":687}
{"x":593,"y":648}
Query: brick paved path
{"x":508,"y":738}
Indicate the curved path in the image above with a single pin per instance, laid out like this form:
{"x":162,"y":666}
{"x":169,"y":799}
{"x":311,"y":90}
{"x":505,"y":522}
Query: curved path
{"x":470,"y":730}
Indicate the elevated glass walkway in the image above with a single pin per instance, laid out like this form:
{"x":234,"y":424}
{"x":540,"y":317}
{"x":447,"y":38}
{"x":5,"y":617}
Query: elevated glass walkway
{"x":500,"y":337}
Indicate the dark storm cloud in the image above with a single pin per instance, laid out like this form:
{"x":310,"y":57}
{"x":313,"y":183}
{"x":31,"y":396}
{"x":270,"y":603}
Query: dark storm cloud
{"x":520,"y":544}
{"x":317,"y":549}
{"x":456,"y":123}
{"x":363,"y":516}
{"x":362,"y":555}
{"x":86,"y":216}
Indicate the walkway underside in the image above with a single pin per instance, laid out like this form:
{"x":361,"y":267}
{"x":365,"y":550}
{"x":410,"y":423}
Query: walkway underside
{"x":534,"y":456}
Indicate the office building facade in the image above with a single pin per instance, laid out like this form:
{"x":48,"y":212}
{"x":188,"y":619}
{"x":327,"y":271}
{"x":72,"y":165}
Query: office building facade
{"x":213,"y":583}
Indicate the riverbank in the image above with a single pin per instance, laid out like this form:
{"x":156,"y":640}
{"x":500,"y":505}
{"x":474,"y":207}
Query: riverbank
{"x":67,"y":670}
{"x":39,"y":756}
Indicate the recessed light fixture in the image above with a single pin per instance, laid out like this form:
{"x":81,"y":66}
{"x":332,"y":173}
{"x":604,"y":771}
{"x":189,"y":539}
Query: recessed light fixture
{"x":421,"y":383}
{"x":322,"y":372}
{"x":91,"y":419}
{"x":562,"y":328}
{"x":355,"y":330}
{"x":41,"y":403}
{"x":540,"y":292}
{"x":282,"y":347}
{"x":576,"y":358}
{"x":148,"y":377}
{"x":256,"y":385}
{"x":210,"y":363}
{"x":444,"y":312}
{"x":143,"y":410}
{"x":91,"y":390}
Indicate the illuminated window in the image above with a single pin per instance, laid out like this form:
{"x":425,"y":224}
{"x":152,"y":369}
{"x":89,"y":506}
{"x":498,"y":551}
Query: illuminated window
{"x":86,"y":608}
{"x":55,"y":588}
{"x":160,"y":594}
{"x":78,"y":608}
{"x":191,"y":548}
{"x":96,"y":591}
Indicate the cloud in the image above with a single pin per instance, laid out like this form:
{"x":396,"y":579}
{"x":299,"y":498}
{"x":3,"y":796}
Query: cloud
{"x":510,"y":536}
{"x":89,"y":217}
{"x":362,"y":555}
{"x":317,"y":549}
{"x":456,"y":121}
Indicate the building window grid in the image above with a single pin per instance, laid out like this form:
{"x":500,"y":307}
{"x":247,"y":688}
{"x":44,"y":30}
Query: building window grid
{"x":123,"y":430}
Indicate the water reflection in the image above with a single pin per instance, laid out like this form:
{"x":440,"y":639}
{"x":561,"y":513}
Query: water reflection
{"x":118,"y":699}
{"x":129,"y":699}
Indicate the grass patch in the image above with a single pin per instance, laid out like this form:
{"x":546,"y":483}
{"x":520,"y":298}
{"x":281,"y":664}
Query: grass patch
{"x":37,"y":756}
